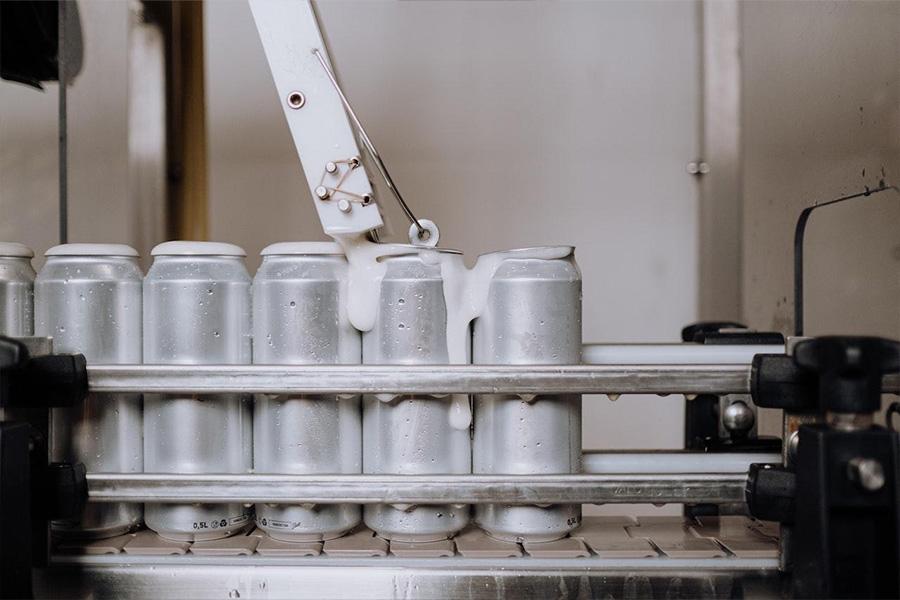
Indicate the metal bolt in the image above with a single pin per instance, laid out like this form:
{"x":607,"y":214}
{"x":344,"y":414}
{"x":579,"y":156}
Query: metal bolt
{"x":738,"y":417}
{"x":867,"y":473}
{"x":697,"y":168}
{"x":793,"y":446}
{"x":322,"y":193}
{"x":344,"y":205}
{"x":296,"y":100}
{"x":330,"y":167}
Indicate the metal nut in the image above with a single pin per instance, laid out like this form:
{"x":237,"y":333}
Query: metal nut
{"x":344,"y":205}
{"x":322,"y":193}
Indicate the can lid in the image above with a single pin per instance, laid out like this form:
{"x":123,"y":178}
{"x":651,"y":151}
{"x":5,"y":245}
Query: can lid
{"x":536,"y":252}
{"x":407,"y":249}
{"x":186,"y":248}
{"x":15,"y":249}
{"x":91,"y":250}
{"x":305,"y":248}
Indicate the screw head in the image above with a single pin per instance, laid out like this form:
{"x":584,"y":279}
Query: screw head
{"x":296,"y":100}
{"x":344,"y":205}
{"x":330,"y":167}
{"x":322,"y":193}
{"x":867,"y":473}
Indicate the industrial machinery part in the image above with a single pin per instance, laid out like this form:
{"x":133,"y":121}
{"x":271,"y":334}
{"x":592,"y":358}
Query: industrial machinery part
{"x":88,"y":299}
{"x":16,"y":290}
{"x":841,"y":494}
{"x":299,"y":295}
{"x":196,"y":311}
{"x":532,"y":316}
{"x":373,"y":490}
{"x":31,"y":491}
{"x":440,"y":379}
{"x":413,"y":434}
{"x":316,"y":117}
{"x":725,"y":422}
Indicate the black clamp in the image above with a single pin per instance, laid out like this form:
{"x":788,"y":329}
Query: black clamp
{"x":841,"y":499}
{"x":33,"y":492}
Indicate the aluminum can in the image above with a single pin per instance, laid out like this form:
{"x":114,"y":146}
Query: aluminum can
{"x":16,"y":290}
{"x":88,"y":299}
{"x":300,"y":318}
{"x":412,"y":434}
{"x":197,"y":311}
{"x":532,"y":317}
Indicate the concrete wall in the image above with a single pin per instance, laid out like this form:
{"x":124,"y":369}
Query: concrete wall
{"x":821,"y":120}
{"x":98,"y":144}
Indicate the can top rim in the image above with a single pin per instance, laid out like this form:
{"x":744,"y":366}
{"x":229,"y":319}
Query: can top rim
{"x":407,"y":249}
{"x":568,"y":250}
{"x":16,"y":250}
{"x":304,"y":248}
{"x":92,"y":250}
{"x":190,"y":248}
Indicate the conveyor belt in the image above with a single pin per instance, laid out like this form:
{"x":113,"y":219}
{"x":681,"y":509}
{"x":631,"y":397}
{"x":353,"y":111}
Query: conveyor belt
{"x":607,"y":556}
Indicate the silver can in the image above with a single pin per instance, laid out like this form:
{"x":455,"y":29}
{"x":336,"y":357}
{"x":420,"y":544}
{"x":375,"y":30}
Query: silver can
{"x":16,"y":290}
{"x":412,"y":434}
{"x":197,"y":311}
{"x":300,"y":318}
{"x":88,"y":299}
{"x":532,"y":317}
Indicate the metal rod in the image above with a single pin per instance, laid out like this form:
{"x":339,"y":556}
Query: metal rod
{"x":800,"y":235}
{"x":674,"y":354}
{"x":367,"y":142}
{"x":437,"y":379}
{"x":668,"y":461}
{"x":445,"y":379}
{"x":63,"y":132}
{"x":656,"y":488}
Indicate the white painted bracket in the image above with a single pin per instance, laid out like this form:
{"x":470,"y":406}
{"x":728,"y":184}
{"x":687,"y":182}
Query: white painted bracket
{"x":320,"y":128}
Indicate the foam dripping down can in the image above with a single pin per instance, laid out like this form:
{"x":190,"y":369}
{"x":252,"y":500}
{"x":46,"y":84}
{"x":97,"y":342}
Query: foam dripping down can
{"x":412,"y":434}
{"x":88,"y":299}
{"x":532,"y":317}
{"x":16,"y":290}
{"x":299,"y":318}
{"x":197,"y":311}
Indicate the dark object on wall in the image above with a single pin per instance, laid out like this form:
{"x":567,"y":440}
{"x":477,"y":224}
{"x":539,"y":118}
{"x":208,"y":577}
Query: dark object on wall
{"x":29,"y":42}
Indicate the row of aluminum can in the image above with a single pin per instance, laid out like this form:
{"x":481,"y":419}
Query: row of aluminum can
{"x":198,"y":305}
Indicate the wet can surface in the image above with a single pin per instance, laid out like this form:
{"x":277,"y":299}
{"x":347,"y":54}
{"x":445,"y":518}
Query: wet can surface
{"x":16,"y":290}
{"x":88,"y":299}
{"x":412,"y":434}
{"x":532,"y":317}
{"x":197,"y":311}
{"x":300,"y":318}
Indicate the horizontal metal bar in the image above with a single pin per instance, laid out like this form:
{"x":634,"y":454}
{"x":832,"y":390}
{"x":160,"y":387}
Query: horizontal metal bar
{"x":668,"y":461}
{"x":421,"y":379}
{"x":459,"y":379}
{"x":675,"y":354}
{"x":657,"y":488}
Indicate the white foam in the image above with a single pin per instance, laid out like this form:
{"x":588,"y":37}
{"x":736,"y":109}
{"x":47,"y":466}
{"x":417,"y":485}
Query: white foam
{"x":465,"y":294}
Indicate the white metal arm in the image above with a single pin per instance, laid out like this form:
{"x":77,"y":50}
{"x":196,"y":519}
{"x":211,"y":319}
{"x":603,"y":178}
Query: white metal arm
{"x":315,"y":114}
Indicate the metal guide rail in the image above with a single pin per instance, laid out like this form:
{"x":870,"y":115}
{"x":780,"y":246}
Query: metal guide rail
{"x":456,"y":379}
{"x":656,"y":488}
